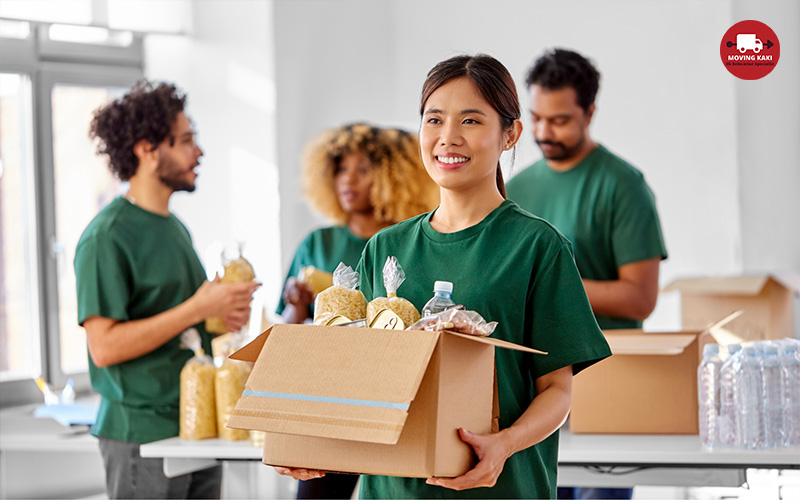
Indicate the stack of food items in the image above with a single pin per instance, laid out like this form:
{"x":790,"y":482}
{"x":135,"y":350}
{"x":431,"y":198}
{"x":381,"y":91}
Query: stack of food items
{"x":344,"y":304}
{"x":209,"y":393}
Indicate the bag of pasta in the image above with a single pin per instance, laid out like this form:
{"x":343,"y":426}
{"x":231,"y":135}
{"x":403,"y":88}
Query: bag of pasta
{"x":342,"y":299}
{"x":197,"y":410}
{"x":228,"y":387}
{"x":393,"y":277}
{"x":317,"y":279}
{"x":237,"y":270}
{"x":456,"y":319}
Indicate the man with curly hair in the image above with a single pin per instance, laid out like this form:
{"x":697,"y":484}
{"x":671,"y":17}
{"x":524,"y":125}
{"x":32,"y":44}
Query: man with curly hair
{"x":598,"y":201}
{"x":140,"y":285}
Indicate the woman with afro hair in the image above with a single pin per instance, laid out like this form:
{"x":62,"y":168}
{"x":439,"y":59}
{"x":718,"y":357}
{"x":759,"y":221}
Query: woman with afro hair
{"x":363,"y":179}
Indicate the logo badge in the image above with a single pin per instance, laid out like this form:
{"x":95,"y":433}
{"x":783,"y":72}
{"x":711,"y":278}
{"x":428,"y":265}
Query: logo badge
{"x":750,"y":50}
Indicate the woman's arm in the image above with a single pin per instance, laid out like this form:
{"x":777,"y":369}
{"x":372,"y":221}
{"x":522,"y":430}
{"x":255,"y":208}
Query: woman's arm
{"x":546,"y":413}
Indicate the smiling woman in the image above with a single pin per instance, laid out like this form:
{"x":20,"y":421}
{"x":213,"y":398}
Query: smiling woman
{"x":507,"y":265}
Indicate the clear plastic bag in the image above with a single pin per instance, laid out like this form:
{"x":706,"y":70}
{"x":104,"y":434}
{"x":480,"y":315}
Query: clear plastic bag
{"x":197,"y":407}
{"x":458,"y":320}
{"x":237,"y":270}
{"x":342,"y":299}
{"x":229,"y":384}
{"x":393,"y":277}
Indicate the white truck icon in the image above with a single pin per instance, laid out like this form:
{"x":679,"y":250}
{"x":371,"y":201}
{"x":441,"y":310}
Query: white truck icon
{"x":745,"y":42}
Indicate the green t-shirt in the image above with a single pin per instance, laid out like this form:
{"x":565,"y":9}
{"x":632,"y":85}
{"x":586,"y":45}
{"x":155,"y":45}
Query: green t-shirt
{"x":132,"y":264}
{"x":515,"y":269}
{"x":604,"y":207}
{"x":325,"y":249}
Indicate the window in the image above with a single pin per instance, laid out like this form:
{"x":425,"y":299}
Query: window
{"x":19,"y":350}
{"x":51,"y":185}
{"x":83,"y":186}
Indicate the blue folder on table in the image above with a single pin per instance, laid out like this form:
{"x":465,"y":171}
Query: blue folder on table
{"x":71,"y":414}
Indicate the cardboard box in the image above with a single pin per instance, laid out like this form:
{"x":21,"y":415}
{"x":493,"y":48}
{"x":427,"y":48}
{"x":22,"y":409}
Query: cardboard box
{"x":647,"y":386}
{"x":769,"y":303}
{"x":368,"y":401}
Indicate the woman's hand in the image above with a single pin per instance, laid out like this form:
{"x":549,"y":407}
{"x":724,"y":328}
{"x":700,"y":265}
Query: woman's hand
{"x":492,"y":451}
{"x":301,"y":474}
{"x":298,"y":294}
{"x":297,"y":297}
{"x":546,"y":413}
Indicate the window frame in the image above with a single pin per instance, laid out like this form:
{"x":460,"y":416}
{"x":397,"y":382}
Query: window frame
{"x":50,"y":63}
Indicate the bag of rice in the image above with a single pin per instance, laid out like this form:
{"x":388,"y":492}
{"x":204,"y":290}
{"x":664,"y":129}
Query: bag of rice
{"x":393,"y":277}
{"x":197,"y":410}
{"x":342,"y":299}
{"x":237,"y":270}
{"x":228,"y":388}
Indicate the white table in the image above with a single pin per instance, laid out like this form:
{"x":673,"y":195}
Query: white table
{"x":584,"y":460}
{"x":626,"y":460}
{"x":30,"y":447}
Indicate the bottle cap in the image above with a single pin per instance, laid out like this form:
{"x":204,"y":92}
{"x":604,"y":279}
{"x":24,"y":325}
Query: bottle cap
{"x":443,"y":286}
{"x":710,"y":350}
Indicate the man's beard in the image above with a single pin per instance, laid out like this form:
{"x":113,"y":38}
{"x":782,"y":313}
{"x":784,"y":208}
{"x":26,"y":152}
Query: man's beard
{"x":563,"y":152}
{"x":171,"y":175}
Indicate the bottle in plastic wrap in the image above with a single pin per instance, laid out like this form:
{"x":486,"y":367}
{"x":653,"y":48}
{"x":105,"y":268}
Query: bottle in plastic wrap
{"x":441,"y":298}
{"x":774,"y":403}
{"x":790,"y":364}
{"x":727,"y":408}
{"x":749,"y":397}
{"x":198,"y":419}
{"x":708,"y":395}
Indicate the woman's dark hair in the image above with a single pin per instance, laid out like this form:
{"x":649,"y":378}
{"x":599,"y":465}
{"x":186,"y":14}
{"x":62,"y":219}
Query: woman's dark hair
{"x":493,"y":81}
{"x":560,"y":68}
{"x":147,"y":112}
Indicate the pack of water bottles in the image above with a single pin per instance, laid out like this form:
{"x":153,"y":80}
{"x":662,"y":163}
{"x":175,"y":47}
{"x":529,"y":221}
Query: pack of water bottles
{"x":749,"y":395}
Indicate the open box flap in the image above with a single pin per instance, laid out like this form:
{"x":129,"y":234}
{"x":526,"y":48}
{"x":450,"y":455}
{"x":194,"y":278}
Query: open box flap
{"x":314,"y":381}
{"x":253,"y":348}
{"x":635,"y":342}
{"x":733,"y":285}
{"x":495,"y":342}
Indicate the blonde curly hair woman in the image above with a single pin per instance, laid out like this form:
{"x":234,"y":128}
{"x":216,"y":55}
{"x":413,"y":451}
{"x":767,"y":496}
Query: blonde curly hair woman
{"x":362,"y":178}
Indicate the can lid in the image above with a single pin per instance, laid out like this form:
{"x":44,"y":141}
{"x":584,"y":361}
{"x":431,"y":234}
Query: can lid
{"x":443,"y":286}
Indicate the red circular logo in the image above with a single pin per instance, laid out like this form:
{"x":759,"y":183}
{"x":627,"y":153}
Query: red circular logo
{"x":750,"y":50}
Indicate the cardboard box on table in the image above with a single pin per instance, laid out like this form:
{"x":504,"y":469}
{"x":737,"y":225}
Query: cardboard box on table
{"x":369,"y":401}
{"x":647,"y":386}
{"x":769,"y":302}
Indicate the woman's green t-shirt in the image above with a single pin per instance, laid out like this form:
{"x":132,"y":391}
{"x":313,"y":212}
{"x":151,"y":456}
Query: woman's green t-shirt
{"x":513,"y":268}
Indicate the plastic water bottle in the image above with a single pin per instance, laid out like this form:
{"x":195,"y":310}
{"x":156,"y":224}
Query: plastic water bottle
{"x":749,"y":398}
{"x":441,"y":298}
{"x":726,"y":435}
{"x":790,"y":364}
{"x":708,"y":394}
{"x":774,"y":397}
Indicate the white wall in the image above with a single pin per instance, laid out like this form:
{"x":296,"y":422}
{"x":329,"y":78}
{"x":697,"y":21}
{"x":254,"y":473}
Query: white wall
{"x":720,"y":154}
{"x":768,"y":126}
{"x":226,"y":66}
